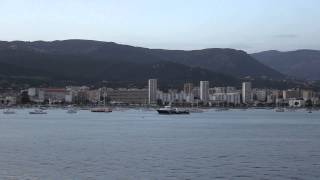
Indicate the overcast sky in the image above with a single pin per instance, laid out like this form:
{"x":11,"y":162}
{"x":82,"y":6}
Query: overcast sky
{"x":250,"y":25}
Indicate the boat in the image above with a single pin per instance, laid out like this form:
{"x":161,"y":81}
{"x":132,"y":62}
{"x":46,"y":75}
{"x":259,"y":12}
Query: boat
{"x":38,"y":111}
{"x":9,"y":111}
{"x":101,"y":110}
{"x":43,"y":108}
{"x":72,"y":111}
{"x":170,"y":110}
{"x":279,"y":110}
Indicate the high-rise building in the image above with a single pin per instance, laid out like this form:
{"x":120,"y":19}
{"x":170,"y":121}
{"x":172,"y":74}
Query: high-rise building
{"x":246,"y":92}
{"x":152,"y":91}
{"x":204,"y":91}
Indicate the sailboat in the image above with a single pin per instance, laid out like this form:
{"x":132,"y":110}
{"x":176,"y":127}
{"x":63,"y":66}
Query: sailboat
{"x":9,"y":111}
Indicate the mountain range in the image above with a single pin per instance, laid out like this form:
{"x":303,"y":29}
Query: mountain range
{"x":301,"y":64}
{"x":92,"y":62}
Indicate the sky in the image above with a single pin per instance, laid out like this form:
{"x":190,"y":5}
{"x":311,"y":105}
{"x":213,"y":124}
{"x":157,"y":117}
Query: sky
{"x":250,"y":25}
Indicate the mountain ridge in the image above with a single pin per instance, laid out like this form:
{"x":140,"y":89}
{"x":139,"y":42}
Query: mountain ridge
{"x":302,"y":64}
{"x":221,"y":60}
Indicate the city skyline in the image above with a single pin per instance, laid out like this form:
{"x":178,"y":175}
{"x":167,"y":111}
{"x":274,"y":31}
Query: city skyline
{"x":190,"y":95}
{"x":247,"y":25}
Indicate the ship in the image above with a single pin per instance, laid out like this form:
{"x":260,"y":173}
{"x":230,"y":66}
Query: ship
{"x":169,"y":110}
{"x":104,"y":110}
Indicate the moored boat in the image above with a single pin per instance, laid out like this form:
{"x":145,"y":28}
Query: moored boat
{"x":72,"y":111}
{"x":9,"y":111}
{"x":169,"y":110}
{"x":104,"y":110}
{"x":279,"y":110}
{"x":38,"y":111}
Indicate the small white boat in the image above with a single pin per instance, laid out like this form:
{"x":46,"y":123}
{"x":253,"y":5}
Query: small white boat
{"x":9,"y":111}
{"x":72,"y":111}
{"x":38,"y":111}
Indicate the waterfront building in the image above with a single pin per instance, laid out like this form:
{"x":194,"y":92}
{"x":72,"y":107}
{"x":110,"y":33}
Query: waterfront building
{"x":77,"y":94}
{"x":152,"y":91}
{"x":196,"y":92}
{"x":307,"y":94}
{"x":246,"y":93}
{"x":260,"y":95}
{"x":211,"y":91}
{"x":274,"y":96}
{"x":127,"y":96}
{"x":187,"y":88}
{"x":164,"y":97}
{"x":229,"y":98}
{"x":204,"y":91}
{"x":32,"y":92}
{"x":231,"y":89}
{"x":189,"y":98}
{"x":220,"y":89}
{"x":291,"y":94}
{"x":94,"y":96}
{"x":8,"y":100}
{"x":52,"y":95}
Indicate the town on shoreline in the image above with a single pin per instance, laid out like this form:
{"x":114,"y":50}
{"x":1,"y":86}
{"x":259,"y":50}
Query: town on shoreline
{"x":202,"y":96}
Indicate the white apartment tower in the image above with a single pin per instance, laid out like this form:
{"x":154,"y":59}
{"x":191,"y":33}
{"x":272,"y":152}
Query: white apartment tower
{"x":246,"y":92}
{"x":204,"y":91}
{"x":152,"y":91}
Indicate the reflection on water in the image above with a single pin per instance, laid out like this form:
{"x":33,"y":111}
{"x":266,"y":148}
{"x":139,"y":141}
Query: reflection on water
{"x":133,"y":144}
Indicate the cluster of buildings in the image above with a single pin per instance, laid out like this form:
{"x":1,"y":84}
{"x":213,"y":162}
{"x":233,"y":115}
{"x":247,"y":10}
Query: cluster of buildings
{"x":190,"y":95}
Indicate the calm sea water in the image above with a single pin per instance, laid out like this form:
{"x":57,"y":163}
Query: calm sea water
{"x":134,"y":144}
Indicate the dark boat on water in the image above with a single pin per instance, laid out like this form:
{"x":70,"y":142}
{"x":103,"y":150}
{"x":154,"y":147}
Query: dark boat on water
{"x":169,"y":110}
{"x":101,"y":110}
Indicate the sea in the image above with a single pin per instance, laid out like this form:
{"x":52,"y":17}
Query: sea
{"x":140,"y":144}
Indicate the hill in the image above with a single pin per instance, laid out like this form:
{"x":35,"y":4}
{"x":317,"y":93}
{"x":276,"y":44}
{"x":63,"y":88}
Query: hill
{"x":227,"y":61}
{"x":62,"y":69}
{"x":302,"y":64}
